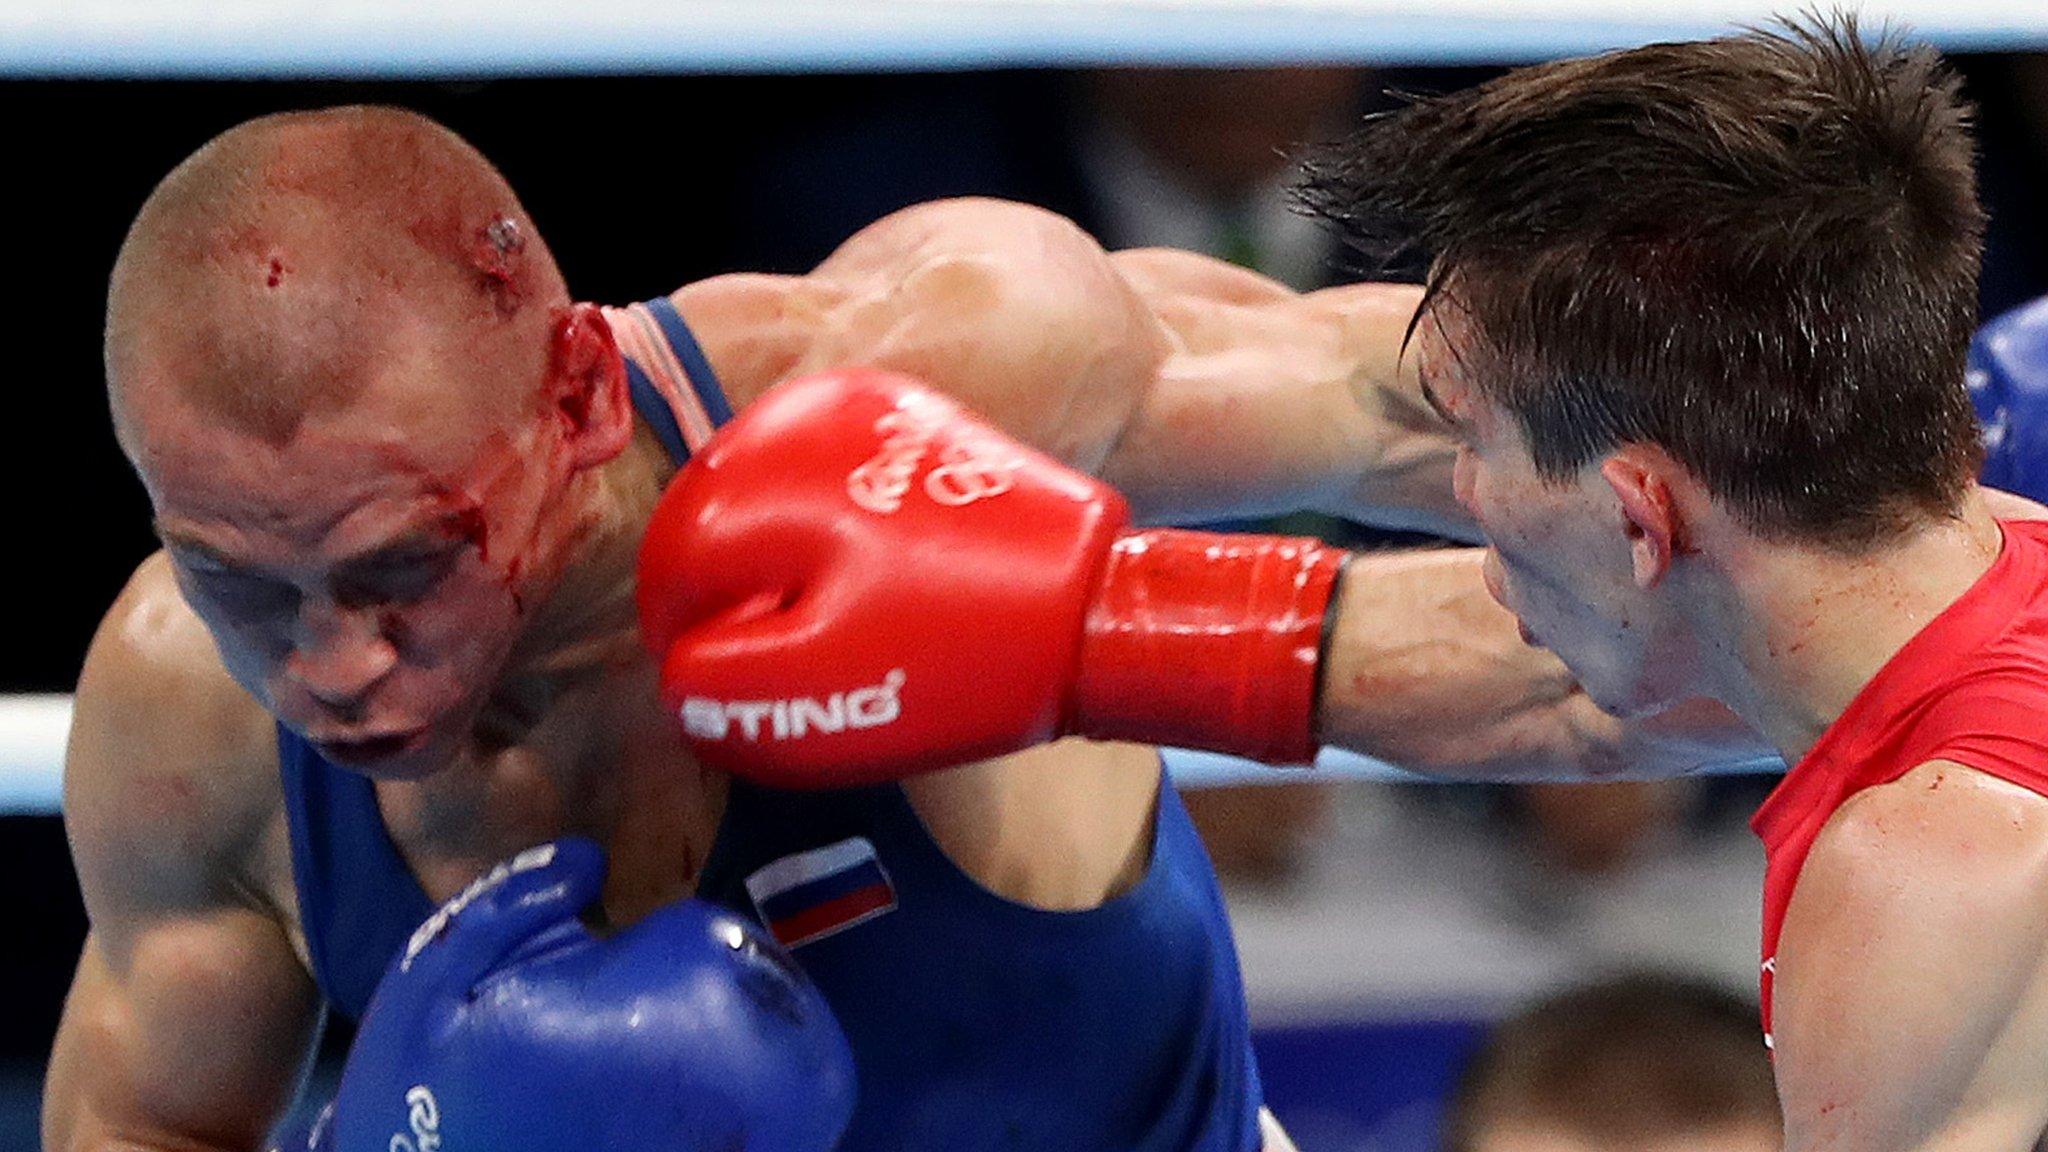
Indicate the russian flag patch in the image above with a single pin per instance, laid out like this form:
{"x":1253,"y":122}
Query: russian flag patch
{"x":814,"y":894}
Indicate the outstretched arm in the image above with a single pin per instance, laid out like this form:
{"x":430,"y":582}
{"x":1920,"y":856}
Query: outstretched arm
{"x":1199,"y":389}
{"x":1424,"y":670}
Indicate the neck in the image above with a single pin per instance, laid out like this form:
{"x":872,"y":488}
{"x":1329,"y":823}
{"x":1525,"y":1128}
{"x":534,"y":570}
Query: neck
{"x":1803,"y":631}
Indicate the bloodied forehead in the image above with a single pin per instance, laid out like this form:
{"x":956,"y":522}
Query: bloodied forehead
{"x":276,"y":273}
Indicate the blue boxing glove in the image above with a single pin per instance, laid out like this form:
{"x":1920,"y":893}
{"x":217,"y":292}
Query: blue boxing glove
{"x":304,"y":1133}
{"x":507,"y":1026}
{"x":2008,"y":379}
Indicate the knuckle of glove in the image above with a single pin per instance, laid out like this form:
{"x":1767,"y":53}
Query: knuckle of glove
{"x":515,"y":900}
{"x":691,"y":1008}
{"x":902,"y":556}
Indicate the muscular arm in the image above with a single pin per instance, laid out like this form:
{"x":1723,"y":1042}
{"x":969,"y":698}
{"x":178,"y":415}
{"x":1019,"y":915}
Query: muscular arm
{"x":1426,"y":671}
{"x":190,"y":1018}
{"x":1271,"y":401}
{"x":1911,"y":991}
{"x":1199,"y":389}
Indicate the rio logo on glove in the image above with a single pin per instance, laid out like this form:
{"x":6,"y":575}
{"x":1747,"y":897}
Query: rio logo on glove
{"x":870,"y":707}
{"x":968,"y":470}
{"x":423,"y":1117}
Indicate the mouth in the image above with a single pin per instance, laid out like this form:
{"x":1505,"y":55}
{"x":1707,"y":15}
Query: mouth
{"x":1528,"y":637}
{"x":372,"y":749}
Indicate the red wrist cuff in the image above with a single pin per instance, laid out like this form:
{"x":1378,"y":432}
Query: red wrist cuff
{"x":1209,"y":641}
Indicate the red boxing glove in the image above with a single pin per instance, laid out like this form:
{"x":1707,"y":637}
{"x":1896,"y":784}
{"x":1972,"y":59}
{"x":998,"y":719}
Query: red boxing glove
{"x":857,"y":580}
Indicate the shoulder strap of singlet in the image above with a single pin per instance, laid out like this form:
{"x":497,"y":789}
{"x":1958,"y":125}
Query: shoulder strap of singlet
{"x":695,"y":366}
{"x":665,"y":368}
{"x":655,"y":411}
{"x":358,"y":902}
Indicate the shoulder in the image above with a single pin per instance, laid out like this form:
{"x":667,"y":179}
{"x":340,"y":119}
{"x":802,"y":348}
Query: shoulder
{"x":1014,"y":310}
{"x":961,"y":224}
{"x":1944,"y":842}
{"x":975,"y":252}
{"x":1932,"y":810}
{"x":1912,"y":940}
{"x":170,"y":778}
{"x":2011,"y":506}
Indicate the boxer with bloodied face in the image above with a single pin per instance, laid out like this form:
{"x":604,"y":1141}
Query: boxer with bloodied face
{"x":401,"y":478}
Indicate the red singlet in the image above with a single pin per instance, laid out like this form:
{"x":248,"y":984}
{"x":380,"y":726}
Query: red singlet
{"x":1971,"y":687}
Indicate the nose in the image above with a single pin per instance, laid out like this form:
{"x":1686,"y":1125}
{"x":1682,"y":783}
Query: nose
{"x":338,"y":653}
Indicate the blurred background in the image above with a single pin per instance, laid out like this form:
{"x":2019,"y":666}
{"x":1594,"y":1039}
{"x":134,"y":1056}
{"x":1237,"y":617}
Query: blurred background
{"x":1385,"y":929}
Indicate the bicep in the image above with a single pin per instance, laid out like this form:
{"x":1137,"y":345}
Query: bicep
{"x":190,"y":1014}
{"x":1911,"y":945}
{"x":1064,"y":826}
{"x":191,"y":1033}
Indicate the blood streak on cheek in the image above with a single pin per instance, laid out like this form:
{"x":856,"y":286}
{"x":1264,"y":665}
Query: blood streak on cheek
{"x":457,"y":512}
{"x":466,"y":523}
{"x":513,"y":569}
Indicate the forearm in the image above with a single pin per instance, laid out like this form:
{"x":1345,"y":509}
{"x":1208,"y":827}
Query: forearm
{"x":73,"y":1121}
{"x":1399,"y":473}
{"x":1424,"y":670}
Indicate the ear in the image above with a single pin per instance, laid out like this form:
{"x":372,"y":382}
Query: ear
{"x":1651,"y":517}
{"x":586,"y":387}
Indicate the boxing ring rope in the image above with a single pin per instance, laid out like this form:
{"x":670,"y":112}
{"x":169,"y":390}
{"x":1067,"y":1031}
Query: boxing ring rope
{"x":403,"y":38}
{"x":33,"y":728}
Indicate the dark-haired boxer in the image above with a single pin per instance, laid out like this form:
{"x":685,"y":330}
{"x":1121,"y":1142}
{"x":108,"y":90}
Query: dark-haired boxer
{"x":1698,"y":318}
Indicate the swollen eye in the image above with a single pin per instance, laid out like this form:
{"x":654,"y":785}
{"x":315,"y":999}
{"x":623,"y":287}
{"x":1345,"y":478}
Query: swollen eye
{"x":247,"y":595}
{"x":395,"y":584}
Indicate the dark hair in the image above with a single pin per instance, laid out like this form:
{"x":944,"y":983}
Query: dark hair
{"x":1620,"y":1063}
{"x":1758,"y":253}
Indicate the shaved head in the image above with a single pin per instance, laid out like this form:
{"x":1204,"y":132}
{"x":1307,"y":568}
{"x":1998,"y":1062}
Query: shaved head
{"x":373,"y":427}
{"x":296,"y":259}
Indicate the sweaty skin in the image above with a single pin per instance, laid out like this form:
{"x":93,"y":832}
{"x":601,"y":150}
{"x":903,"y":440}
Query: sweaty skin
{"x":1910,"y":982}
{"x":1199,"y":388}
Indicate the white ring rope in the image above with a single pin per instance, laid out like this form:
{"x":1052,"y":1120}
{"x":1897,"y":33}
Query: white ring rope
{"x":33,"y":730}
{"x":462,"y":38}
